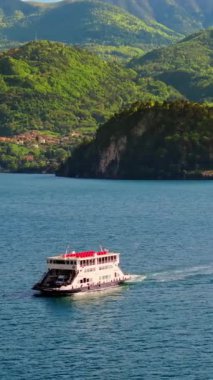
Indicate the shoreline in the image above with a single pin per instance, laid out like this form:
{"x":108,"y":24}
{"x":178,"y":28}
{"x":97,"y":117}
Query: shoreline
{"x":204,"y":176}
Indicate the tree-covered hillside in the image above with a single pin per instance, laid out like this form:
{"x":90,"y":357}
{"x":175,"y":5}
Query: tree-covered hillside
{"x":51,"y":86}
{"x":60,"y":94}
{"x":55,"y":89}
{"x":184,"y":16}
{"x":85,"y":22}
{"x":149,"y":141}
{"x":11,"y":8}
{"x":187,"y":66}
{"x":12,"y":14}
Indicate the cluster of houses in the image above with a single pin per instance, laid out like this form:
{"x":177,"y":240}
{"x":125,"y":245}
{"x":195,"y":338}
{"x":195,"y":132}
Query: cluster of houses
{"x":35,"y":138}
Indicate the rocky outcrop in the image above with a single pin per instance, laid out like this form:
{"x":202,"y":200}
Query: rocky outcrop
{"x":110,"y":157}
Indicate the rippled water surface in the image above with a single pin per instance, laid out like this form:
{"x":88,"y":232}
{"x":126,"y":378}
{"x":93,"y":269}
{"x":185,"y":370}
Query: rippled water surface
{"x":159,"y":326}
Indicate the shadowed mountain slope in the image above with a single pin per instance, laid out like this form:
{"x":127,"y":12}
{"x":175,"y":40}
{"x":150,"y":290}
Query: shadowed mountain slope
{"x":184,"y":16}
{"x":167,"y":141}
{"x":86,"y":22}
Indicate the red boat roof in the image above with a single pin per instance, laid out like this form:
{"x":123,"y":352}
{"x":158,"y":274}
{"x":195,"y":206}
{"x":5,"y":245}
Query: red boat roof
{"x":81,"y":255}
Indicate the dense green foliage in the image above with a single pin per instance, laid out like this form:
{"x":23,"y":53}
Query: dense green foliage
{"x":18,"y":158}
{"x":149,"y":141}
{"x":184,"y":16}
{"x":47,"y":86}
{"x":51,"y":86}
{"x":82,"y":22}
{"x":121,"y":54}
{"x":187,"y":66}
{"x":88,"y":21}
{"x":145,"y":24}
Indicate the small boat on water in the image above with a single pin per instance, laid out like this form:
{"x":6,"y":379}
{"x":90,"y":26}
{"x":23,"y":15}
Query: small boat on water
{"x":78,"y":272}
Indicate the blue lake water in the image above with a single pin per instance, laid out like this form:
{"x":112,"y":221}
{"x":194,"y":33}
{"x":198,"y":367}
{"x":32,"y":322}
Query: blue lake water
{"x":160,"y":327}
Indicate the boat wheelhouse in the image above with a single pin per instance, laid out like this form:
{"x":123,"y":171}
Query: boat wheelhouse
{"x":77,"y":272}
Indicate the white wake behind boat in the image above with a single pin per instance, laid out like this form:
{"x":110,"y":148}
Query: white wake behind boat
{"x":78,"y":272}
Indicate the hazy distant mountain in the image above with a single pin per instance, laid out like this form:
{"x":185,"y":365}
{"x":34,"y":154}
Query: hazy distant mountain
{"x":184,"y":16}
{"x":43,"y":1}
{"x":86,"y":22}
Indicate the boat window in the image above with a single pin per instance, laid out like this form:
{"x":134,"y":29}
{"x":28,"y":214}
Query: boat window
{"x":60,"y":262}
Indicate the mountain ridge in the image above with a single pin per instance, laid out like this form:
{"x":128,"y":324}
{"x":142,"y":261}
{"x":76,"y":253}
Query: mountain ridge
{"x":87,"y":21}
{"x":182,"y":16}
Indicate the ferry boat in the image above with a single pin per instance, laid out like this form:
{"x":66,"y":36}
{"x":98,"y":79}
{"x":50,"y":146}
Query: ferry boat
{"x":78,"y":272}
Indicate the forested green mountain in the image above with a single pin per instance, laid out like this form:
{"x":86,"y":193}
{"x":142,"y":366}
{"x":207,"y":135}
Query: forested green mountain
{"x":12,"y":14}
{"x":184,"y":16}
{"x":105,"y":29}
{"x":46,"y":85}
{"x":13,"y":8}
{"x":187,"y":66}
{"x":58,"y":95}
{"x":65,"y":91}
{"x":161,"y":141}
{"x":86,"y":22}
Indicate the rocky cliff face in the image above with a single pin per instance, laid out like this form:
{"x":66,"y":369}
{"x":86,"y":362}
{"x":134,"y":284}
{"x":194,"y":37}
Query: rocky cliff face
{"x":172,"y":140}
{"x":111,"y":156}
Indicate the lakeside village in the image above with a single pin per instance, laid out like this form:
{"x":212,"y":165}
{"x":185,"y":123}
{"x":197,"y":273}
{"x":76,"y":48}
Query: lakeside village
{"x":35,"y":150}
{"x":36,"y":138}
